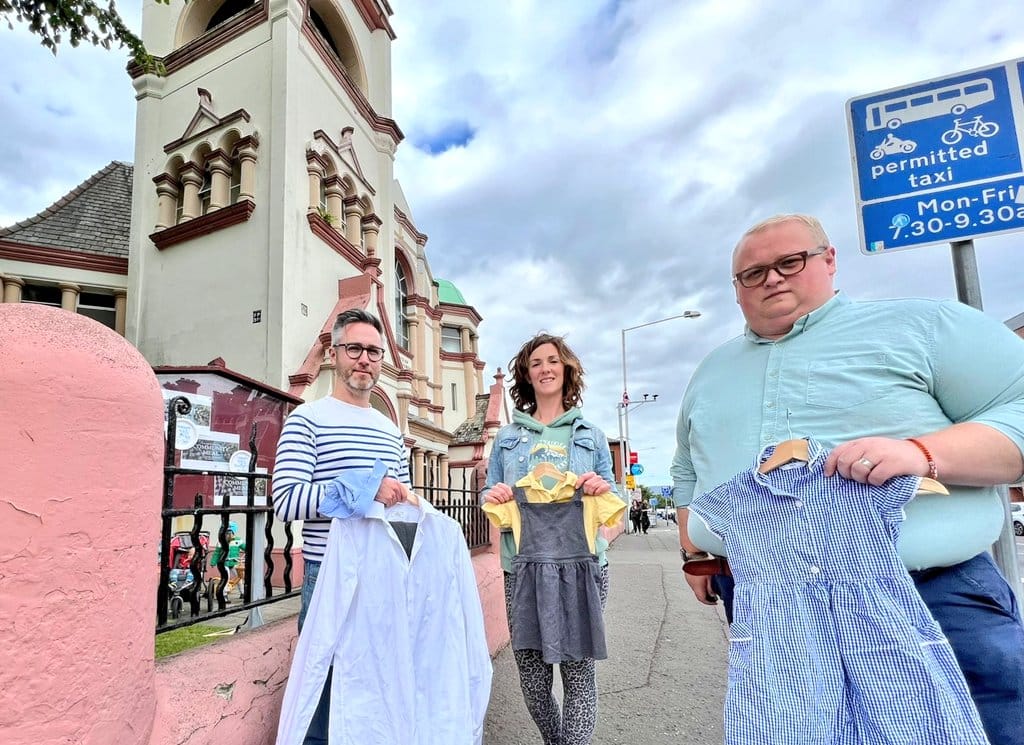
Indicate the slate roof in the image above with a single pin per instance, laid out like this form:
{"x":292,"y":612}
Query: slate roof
{"x":92,"y":218}
{"x":472,"y":430}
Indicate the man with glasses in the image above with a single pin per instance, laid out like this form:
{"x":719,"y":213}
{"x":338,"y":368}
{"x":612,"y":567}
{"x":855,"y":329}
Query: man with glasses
{"x":893,"y":387}
{"x":323,"y":440}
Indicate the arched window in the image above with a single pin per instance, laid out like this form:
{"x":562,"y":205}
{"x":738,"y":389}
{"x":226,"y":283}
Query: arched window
{"x":205,"y":191}
{"x":228,"y":9}
{"x":401,"y":296}
{"x":236,"y":179}
{"x":330,"y":26}
{"x":325,"y":34}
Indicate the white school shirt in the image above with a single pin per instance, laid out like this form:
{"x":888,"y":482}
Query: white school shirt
{"x":405,"y":636}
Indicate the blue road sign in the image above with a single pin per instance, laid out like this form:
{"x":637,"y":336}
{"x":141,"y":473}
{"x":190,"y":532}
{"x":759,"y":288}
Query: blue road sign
{"x":666,"y":491}
{"x":939,"y":160}
{"x":636,"y":469}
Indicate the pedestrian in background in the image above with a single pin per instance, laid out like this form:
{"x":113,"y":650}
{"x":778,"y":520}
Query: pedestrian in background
{"x":635,"y":513}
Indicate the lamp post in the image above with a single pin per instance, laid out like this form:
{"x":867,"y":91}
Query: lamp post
{"x":621,"y":409}
{"x":625,"y":403}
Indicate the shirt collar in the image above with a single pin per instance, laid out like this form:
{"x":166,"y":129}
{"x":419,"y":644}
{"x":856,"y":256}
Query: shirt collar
{"x":377,"y":511}
{"x":803,"y":322}
{"x":815,"y":452}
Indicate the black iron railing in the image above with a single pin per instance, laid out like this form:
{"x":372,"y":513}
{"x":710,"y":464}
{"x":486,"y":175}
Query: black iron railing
{"x":463,"y":506}
{"x":192,"y":598}
{"x":197,"y":591}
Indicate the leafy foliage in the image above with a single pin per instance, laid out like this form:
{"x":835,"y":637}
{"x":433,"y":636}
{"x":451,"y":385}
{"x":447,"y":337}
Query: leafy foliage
{"x":75,"y":21}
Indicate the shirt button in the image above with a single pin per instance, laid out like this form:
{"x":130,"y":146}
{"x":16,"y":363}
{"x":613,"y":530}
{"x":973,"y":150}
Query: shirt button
{"x":769,"y":405}
{"x":815,"y":570}
{"x":522,"y":458}
{"x":525,"y":438}
{"x":798,"y":503}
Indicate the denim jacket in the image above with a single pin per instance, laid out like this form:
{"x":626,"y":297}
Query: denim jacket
{"x":510,"y":455}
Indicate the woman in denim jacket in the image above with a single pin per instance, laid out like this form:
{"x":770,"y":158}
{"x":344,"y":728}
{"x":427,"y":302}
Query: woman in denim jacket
{"x":549,"y":428}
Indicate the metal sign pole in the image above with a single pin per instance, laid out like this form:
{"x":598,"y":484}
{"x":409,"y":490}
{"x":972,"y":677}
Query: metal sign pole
{"x":968,"y":291}
{"x":965,"y":271}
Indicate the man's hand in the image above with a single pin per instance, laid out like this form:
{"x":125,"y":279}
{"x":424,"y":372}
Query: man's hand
{"x":498,"y":494}
{"x":391,"y":492}
{"x":701,"y":587}
{"x":593,"y":484}
{"x":875,"y":460}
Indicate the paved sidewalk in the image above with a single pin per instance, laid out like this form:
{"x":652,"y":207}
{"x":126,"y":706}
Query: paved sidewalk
{"x":664,"y":681}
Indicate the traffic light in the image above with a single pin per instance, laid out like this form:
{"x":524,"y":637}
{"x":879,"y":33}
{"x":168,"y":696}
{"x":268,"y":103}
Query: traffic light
{"x":634,"y":457}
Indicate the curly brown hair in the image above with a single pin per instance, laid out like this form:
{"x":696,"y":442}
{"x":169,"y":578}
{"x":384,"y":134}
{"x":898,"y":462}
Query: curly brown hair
{"x":523,"y":396}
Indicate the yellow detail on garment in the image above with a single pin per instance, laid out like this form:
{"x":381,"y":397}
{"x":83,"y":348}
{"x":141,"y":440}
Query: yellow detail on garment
{"x":599,"y":509}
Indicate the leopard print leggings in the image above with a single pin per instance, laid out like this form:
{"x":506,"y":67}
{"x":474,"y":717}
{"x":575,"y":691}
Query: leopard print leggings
{"x":575,"y":725}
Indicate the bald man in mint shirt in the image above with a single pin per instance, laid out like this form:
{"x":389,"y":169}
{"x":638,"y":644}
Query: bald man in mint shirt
{"x":893,"y":387}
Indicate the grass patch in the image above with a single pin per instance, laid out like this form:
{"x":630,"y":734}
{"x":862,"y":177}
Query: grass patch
{"x":181,"y":639}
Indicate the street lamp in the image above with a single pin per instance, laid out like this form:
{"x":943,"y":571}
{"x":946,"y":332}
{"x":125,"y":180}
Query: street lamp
{"x":625,"y":404}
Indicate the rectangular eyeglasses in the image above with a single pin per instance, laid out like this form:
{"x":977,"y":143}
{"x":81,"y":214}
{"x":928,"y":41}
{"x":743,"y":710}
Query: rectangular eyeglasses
{"x":355,"y":351}
{"x":787,"y":266}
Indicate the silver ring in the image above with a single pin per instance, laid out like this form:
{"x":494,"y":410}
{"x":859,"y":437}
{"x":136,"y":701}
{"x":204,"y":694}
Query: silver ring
{"x":866,"y":462}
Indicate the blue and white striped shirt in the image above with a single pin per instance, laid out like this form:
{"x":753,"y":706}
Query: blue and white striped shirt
{"x":320,"y":441}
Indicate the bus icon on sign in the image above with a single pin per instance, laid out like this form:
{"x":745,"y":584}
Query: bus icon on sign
{"x":950,"y":99}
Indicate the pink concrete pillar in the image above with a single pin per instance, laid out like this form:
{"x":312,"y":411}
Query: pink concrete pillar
{"x":81,"y":431}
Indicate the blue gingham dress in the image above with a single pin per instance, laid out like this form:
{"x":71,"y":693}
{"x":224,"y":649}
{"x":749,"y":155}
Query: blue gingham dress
{"x":830,"y":642}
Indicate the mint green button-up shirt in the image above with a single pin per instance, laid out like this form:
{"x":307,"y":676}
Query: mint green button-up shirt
{"x":886,"y":368}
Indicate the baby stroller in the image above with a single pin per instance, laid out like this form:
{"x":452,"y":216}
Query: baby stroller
{"x":181,"y":582}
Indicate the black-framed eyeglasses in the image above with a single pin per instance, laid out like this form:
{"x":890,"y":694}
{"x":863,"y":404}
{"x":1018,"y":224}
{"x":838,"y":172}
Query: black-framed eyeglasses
{"x":355,"y":351}
{"x":787,"y":266}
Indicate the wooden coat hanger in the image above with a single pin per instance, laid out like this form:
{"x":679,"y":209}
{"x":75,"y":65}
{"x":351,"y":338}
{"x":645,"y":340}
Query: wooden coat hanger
{"x":545,"y":469}
{"x":789,"y":451}
{"x":786,"y":451}
{"x":931,"y":486}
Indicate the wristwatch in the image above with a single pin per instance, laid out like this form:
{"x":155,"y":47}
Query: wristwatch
{"x":693,"y":555}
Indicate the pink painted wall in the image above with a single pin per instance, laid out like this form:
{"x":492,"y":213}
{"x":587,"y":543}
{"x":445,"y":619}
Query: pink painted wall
{"x":81,"y":431}
{"x":227,"y":693}
{"x":491,"y":584}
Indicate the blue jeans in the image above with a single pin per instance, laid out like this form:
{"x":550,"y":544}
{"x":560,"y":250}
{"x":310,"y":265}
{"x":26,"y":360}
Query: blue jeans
{"x":978,"y":613}
{"x":317,"y":732}
{"x":723,"y":585}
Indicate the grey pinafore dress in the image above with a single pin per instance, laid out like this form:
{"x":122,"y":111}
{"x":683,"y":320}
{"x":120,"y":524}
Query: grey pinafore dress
{"x":556,"y":605}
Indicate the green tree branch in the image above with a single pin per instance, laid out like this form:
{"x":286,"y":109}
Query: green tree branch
{"x":73,"y":21}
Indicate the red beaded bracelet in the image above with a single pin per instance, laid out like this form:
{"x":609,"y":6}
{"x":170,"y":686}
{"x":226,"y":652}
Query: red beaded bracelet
{"x":933,"y":471}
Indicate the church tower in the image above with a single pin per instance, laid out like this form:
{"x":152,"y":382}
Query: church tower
{"x":263,"y":178}
{"x":264,"y":203}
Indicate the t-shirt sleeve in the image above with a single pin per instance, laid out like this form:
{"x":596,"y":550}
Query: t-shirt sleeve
{"x":500,"y":515}
{"x":891,"y":497}
{"x":714,"y":508}
{"x":609,"y":508}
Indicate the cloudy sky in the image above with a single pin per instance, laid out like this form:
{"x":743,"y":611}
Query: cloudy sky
{"x":583,"y":167}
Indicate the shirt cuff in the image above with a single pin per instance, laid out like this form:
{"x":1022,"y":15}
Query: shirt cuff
{"x":351,"y":493}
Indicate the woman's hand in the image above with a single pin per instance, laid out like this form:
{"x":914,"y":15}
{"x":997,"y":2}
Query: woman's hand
{"x":593,"y":484}
{"x":498,"y":494}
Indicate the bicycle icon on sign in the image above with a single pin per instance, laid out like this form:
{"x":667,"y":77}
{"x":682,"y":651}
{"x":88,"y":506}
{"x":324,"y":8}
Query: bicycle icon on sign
{"x":975,"y":127}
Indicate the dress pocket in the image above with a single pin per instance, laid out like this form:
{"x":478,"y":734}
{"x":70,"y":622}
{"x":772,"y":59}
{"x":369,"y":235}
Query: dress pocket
{"x":740,"y":644}
{"x":847,"y":382}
